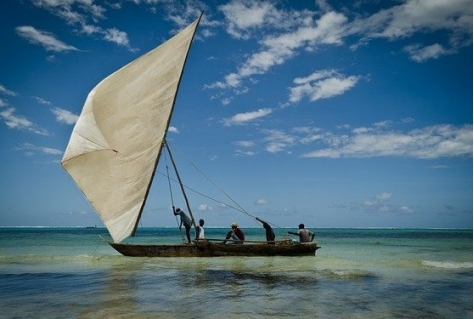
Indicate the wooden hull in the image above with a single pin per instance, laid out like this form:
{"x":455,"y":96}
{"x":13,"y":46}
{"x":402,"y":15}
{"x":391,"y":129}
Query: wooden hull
{"x":206,"y":248}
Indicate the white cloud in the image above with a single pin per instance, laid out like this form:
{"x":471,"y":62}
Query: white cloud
{"x":205,"y":207}
{"x":82,"y":13}
{"x":14,"y":121}
{"x":425,"y":143}
{"x":282,"y":35}
{"x":78,"y":213}
{"x":261,"y":202}
{"x":116,"y":36}
{"x":384,"y":196}
{"x":30,"y":149}
{"x":173,"y":129}
{"x":406,"y":210}
{"x":42,"y":101}
{"x":277,"y":49}
{"x":277,"y":140}
{"x":5,"y":91}
{"x":243,"y":118}
{"x":47,"y":40}
{"x":245,"y":15}
{"x":245,"y":143}
{"x":69,"y":9}
{"x":321,"y":85}
{"x":64,"y":116}
{"x":420,"y":15}
{"x":430,"y":142}
{"x":422,"y":54}
{"x":244,"y":153}
{"x":380,"y":204}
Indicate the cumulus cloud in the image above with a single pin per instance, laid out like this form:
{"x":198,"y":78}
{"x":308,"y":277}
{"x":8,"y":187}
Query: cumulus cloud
{"x":243,"y":16}
{"x":301,"y":31}
{"x":321,"y":84}
{"x":419,"y":16}
{"x":116,"y":36}
{"x":173,"y":129}
{"x":64,"y":116}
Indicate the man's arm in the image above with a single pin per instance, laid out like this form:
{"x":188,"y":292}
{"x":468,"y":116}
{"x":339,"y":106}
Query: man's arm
{"x":293,"y":233}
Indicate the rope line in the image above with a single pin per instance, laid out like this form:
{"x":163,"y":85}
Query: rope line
{"x":241,"y":209}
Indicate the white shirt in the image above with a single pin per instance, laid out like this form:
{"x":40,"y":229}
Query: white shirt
{"x":201,"y":232}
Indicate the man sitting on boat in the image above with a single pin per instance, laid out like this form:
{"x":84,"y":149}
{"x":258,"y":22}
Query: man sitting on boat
{"x":305,"y":235}
{"x":185,"y":220}
{"x":236,"y":234}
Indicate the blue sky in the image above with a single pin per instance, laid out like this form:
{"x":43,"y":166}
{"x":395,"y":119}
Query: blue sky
{"x":330,"y":113}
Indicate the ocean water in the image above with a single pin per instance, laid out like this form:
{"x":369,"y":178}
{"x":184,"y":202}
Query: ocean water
{"x":358,"y":273}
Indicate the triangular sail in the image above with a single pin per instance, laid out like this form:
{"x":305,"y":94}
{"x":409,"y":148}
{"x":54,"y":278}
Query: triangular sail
{"x":116,"y":143}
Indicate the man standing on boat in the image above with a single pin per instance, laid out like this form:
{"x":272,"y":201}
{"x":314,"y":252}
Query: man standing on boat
{"x":268,"y":231}
{"x":185,"y":220}
{"x":236,"y":233}
{"x":200,"y":230}
{"x":305,"y":235}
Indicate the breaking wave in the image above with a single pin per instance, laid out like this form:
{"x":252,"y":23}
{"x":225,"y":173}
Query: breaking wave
{"x":447,"y":264}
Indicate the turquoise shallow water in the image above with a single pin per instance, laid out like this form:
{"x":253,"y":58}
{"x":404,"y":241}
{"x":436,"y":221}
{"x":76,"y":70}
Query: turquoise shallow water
{"x":358,"y":273}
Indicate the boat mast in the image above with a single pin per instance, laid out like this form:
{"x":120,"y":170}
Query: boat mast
{"x":180,"y":183}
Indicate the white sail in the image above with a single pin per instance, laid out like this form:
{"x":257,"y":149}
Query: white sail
{"x":115,"y":145}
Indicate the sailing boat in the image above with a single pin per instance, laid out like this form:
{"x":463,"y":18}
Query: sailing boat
{"x":118,"y":140}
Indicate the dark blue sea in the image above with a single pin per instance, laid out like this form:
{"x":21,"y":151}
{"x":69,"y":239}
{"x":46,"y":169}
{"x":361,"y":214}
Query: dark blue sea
{"x":358,"y":273}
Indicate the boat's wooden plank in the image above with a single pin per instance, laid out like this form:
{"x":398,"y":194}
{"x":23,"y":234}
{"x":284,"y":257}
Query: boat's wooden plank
{"x":206,"y":248}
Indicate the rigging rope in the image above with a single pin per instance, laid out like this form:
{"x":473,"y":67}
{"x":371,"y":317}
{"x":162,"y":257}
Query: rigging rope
{"x":240,"y":208}
{"x":237,"y":207}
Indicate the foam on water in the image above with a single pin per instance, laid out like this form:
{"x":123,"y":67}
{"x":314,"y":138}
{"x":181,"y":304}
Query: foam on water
{"x":447,"y":264}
